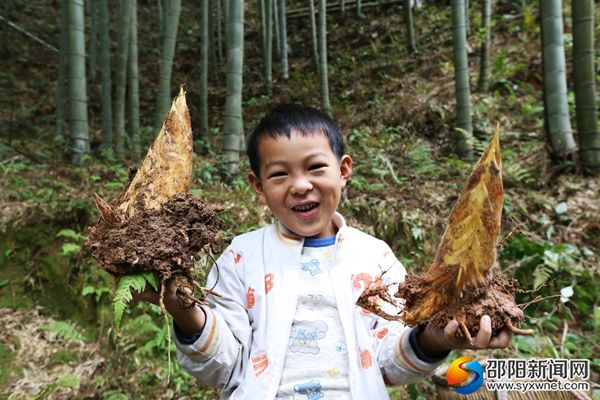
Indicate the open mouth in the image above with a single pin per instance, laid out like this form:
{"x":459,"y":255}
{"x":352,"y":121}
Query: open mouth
{"x":307,"y":210}
{"x":304,"y":208}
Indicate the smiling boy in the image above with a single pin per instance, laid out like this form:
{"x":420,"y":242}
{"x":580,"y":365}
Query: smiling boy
{"x":286,"y":325}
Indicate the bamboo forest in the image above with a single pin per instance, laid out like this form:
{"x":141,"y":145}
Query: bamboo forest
{"x":436,"y":164}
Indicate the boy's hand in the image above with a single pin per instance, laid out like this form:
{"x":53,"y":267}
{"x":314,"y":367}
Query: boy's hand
{"x":190,"y":320}
{"x":433,"y":340}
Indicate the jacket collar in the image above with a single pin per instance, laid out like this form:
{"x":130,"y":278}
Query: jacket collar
{"x":292,"y":239}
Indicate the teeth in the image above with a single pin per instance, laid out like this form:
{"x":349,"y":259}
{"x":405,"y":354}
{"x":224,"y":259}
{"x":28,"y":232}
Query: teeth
{"x":305,"y":207}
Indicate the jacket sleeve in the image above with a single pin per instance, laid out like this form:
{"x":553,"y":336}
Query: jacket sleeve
{"x":216,"y":357}
{"x":396,"y":347}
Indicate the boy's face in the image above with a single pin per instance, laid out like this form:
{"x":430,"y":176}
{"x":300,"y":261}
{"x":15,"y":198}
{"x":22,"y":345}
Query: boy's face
{"x":301,"y":181}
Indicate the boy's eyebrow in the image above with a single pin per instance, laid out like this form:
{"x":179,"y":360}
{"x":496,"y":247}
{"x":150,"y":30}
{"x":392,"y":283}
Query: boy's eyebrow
{"x":282,"y":162}
{"x":272,"y":163}
{"x":316,"y":154}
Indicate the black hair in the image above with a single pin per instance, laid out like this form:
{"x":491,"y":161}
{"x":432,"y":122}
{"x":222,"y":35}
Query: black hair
{"x":285,"y":117}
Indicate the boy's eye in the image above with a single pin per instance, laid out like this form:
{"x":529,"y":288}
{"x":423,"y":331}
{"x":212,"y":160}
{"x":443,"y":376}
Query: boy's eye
{"x":316,"y":166}
{"x":277,"y":174}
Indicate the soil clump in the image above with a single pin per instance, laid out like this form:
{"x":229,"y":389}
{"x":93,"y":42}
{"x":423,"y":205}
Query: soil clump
{"x":165,"y":241}
{"x":495,"y":298}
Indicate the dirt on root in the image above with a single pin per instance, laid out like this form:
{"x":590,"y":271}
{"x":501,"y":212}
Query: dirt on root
{"x":495,"y":298}
{"x":165,"y":241}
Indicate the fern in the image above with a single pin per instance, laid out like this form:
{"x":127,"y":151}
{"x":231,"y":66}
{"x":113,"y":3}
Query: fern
{"x":63,"y":330}
{"x":541,"y":276}
{"x":479,"y":144}
{"x":518,"y":172}
{"x":388,"y":164}
{"x":123,"y":294}
{"x":554,"y":259}
{"x":422,"y":160}
{"x":161,"y":340}
{"x":143,"y":326}
{"x":71,"y":234}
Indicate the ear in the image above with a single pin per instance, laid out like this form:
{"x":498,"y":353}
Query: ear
{"x":257,"y":186}
{"x":345,"y":169}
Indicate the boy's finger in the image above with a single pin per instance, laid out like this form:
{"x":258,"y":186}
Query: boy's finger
{"x":451,"y":328}
{"x":502,"y":340}
{"x":148,"y":295}
{"x":484,"y":335}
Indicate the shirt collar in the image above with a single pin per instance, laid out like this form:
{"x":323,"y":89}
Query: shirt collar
{"x":292,"y":239}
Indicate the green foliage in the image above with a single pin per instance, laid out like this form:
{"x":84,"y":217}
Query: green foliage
{"x":420,"y":158}
{"x":547,"y":263}
{"x":114,"y":395}
{"x":73,"y":247}
{"x":528,"y":346}
{"x":64,"y":330}
{"x":516,"y":171}
{"x":152,"y":338}
{"x":97,"y":292}
{"x":68,"y":381}
{"x":13,"y":167}
{"x":206,"y":173}
{"x":502,"y":68}
{"x":530,"y":18}
{"x":7,"y":355}
{"x":71,"y":234}
{"x":547,"y":271}
{"x":414,"y":392}
{"x":382,"y":167}
{"x":256,"y":101}
{"x":373,"y":169}
{"x":123,"y":294}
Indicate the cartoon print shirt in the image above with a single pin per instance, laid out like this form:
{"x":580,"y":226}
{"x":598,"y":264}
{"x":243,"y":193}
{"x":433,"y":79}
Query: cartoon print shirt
{"x":316,"y":363}
{"x":244,"y":344}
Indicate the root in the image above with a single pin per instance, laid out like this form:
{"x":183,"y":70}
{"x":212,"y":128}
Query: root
{"x":536,"y":300}
{"x":384,"y":315}
{"x":168,"y":327}
{"x":465,"y":331}
{"x":161,"y":297}
{"x":518,"y":331}
{"x":210,"y":255}
{"x":193,"y":299}
{"x":367,"y":301}
{"x":187,"y":239}
{"x":204,"y":290}
{"x":163,"y":309}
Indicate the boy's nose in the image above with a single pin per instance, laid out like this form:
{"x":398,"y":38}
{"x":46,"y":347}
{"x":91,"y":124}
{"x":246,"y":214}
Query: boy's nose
{"x":301,"y":185}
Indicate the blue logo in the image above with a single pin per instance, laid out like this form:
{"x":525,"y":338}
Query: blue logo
{"x":458,"y":372}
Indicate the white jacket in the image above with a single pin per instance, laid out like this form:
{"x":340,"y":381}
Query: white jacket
{"x":243,"y":345}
